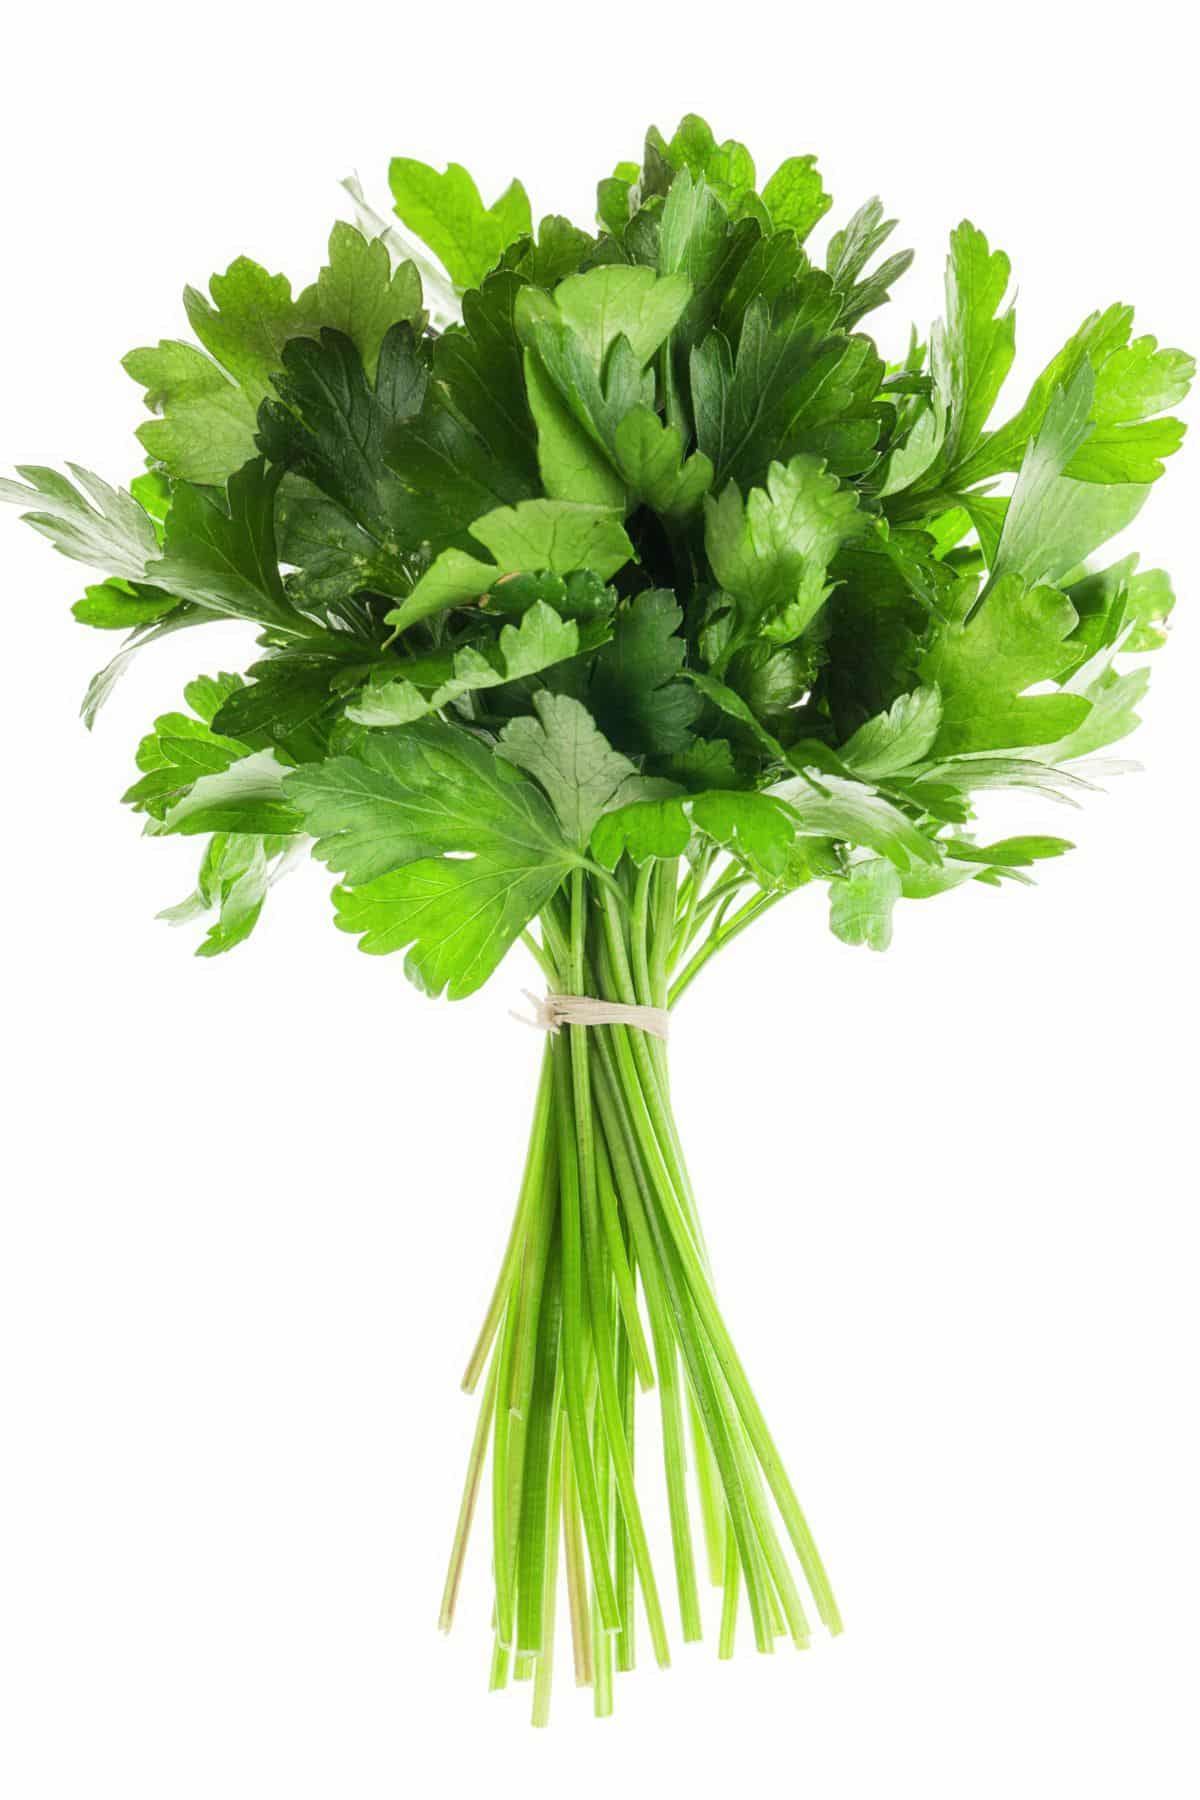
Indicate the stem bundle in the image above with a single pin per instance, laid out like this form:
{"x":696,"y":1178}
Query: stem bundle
{"x":606,"y":1229}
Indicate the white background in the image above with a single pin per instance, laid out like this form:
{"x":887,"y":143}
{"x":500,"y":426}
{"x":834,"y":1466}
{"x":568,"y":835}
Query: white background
{"x":256,"y":1203}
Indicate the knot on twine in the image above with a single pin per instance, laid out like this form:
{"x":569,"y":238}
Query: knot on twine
{"x":553,"y":1011}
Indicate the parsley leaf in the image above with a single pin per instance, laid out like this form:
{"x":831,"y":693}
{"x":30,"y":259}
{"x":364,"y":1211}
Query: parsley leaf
{"x":574,"y":763}
{"x":534,"y":535}
{"x":446,"y":212}
{"x":445,"y":848}
{"x":209,"y":402}
{"x":984,"y":660}
{"x":771,"y":553}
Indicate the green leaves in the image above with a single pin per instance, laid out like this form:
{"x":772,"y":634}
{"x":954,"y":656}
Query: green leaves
{"x":331,"y":426}
{"x":861,"y":902}
{"x":599,"y":439}
{"x":246,"y":796}
{"x":534,"y":535}
{"x":619,"y":301}
{"x":795,"y":196}
{"x":446,"y":212}
{"x":479,"y":365}
{"x":1133,"y":381}
{"x":757,"y":830}
{"x":985,"y":659}
{"x":850,"y":250}
{"x":90,"y":522}
{"x":1052,"y":522}
{"x":972,"y":349}
{"x":209,"y":403}
{"x":853,"y":813}
{"x":893,"y":741}
{"x":648,"y":454}
{"x":652,"y":555}
{"x":445,"y":848}
{"x":794,"y":384}
{"x":771,"y":554}
{"x":573,"y":763}
{"x":1127,"y":444}
{"x":635,"y":691}
{"x":220,"y":552}
{"x":182,"y":747}
{"x":120,"y":605}
{"x":431,"y":683}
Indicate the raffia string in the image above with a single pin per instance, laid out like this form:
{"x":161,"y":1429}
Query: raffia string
{"x":553,"y":1011}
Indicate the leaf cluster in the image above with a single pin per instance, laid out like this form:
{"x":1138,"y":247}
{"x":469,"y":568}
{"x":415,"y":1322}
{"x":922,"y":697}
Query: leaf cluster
{"x":647,"y":553}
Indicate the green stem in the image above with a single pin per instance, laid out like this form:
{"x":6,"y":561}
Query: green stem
{"x":536,"y":1511}
{"x":470,"y":1494}
{"x":721,"y":935}
{"x":544,"y":1674}
{"x":530,"y":1185}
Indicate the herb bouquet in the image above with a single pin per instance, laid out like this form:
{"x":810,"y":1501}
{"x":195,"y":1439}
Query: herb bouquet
{"x":609,"y":586}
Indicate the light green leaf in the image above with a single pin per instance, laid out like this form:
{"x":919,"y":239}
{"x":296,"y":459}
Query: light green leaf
{"x":446,"y":212}
{"x":693,"y":232}
{"x":573,"y":465}
{"x":649,"y":455}
{"x":1149,"y":601}
{"x":1009,"y":853}
{"x":209,"y":403}
{"x":120,"y":605}
{"x":646,"y":828}
{"x":728,"y":168}
{"x":756,"y":829}
{"x":460,"y":916}
{"x":446,"y":848}
{"x":1054,"y":523}
{"x":430,"y":790}
{"x":619,"y":300}
{"x":861,"y":903}
{"x":247,"y":796}
{"x":1133,"y":381}
{"x":849,"y":252}
{"x":853,"y":813}
{"x":236,"y":873}
{"x":895,"y":740}
{"x":533,"y":535}
{"x":91,"y":522}
{"x":574,"y":763}
{"x":971,"y":350}
{"x":984,"y":660}
{"x":795,"y":196}
{"x":540,"y":640}
{"x":359,"y":294}
{"x":1113,"y":700}
{"x":207,"y":426}
{"x":772,"y":553}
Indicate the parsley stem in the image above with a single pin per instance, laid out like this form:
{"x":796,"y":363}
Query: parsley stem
{"x":721,"y":935}
{"x":732,"y":1581}
{"x":501,"y":1491}
{"x":575,"y":1560}
{"x":622,"y":1271}
{"x":544,"y":1673}
{"x":624,"y":1559}
{"x":665,"y":1351}
{"x":597,"y":1280}
{"x":533,"y":1532}
{"x":538,"y":1138}
{"x":470,"y":1495}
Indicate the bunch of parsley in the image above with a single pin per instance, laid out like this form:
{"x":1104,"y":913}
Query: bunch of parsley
{"x":609,"y":586}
